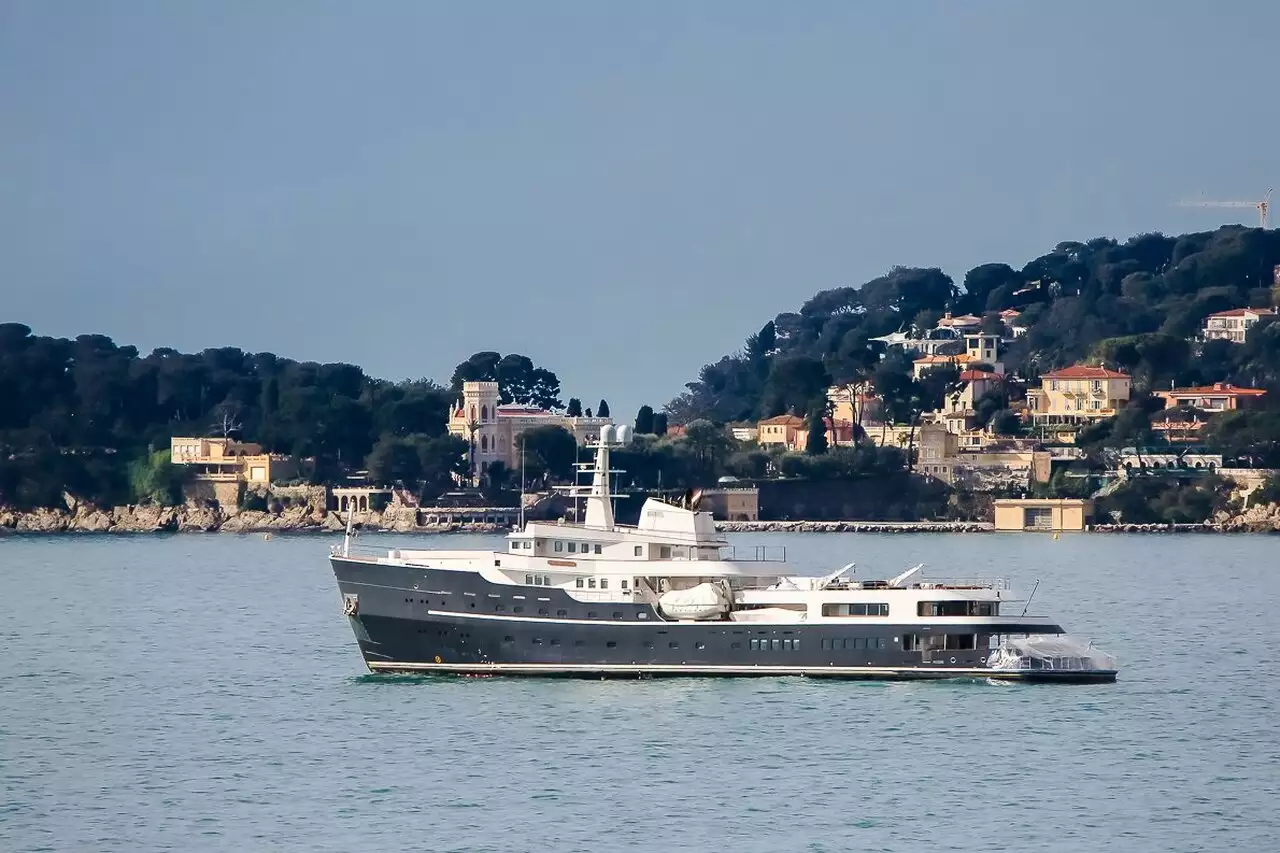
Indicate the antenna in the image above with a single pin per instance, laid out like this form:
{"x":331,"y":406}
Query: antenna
{"x":1263,"y":207}
{"x":522,"y":485}
{"x":1031,"y":596}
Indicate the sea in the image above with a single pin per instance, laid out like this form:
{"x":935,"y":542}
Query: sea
{"x":204,"y":692}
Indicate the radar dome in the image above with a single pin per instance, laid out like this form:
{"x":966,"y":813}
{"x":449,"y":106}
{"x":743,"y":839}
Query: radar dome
{"x":624,"y":434}
{"x":607,"y":435}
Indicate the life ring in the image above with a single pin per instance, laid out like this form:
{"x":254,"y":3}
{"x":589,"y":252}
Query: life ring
{"x":437,"y":658}
{"x":953,"y":660}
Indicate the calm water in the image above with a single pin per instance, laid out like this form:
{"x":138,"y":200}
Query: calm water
{"x":204,"y":693}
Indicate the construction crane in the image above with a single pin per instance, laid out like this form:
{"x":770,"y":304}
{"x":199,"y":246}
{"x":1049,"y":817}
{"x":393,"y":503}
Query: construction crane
{"x":1263,"y":207}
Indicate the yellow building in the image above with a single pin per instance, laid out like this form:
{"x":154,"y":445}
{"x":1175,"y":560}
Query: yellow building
{"x":860,"y":407}
{"x":1077,"y":395}
{"x":1048,"y":514}
{"x":229,"y":460}
{"x":786,"y":431}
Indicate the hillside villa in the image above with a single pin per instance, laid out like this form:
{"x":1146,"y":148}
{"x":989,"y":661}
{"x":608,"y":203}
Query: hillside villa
{"x":1219,"y":397}
{"x":491,"y":428}
{"x":781,"y":431}
{"x":1233,"y":325}
{"x":979,"y":348}
{"x":220,"y":467}
{"x":1078,"y":395}
{"x":791,"y":433}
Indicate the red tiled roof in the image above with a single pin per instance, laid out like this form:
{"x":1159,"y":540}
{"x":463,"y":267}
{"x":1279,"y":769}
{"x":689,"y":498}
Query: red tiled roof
{"x":971,"y":375}
{"x":786,"y":420}
{"x":1084,"y":371}
{"x":1219,"y":390}
{"x":962,"y":320}
{"x":1240,"y":312}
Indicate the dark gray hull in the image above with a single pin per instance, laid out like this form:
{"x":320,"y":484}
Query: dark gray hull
{"x":425,"y":620}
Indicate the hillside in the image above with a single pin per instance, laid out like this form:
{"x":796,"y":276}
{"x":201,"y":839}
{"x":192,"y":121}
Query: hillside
{"x":1133,"y":305}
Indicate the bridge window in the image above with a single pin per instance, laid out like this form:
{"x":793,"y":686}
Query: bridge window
{"x":874,"y":608}
{"x":597,"y":549}
{"x":639,"y":550}
{"x":624,"y":583}
{"x":591,"y":583}
{"x":604,"y":583}
{"x":573,"y":547}
{"x":959,"y":608}
{"x":578,"y":582}
{"x":559,"y":545}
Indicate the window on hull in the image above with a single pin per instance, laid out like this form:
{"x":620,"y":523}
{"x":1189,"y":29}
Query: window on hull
{"x":853,"y":643}
{"x":939,"y":642}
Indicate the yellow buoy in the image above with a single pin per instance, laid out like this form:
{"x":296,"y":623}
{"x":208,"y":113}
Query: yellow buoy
{"x":1055,"y":536}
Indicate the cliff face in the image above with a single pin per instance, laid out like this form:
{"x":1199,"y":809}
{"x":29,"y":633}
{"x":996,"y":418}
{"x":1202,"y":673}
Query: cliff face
{"x":1264,"y":518}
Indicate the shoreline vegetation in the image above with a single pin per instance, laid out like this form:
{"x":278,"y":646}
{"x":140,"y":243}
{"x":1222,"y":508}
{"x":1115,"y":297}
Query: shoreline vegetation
{"x":824,"y":410}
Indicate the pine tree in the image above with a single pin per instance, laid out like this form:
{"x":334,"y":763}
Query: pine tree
{"x":644,"y":421}
{"x":817,"y":433}
{"x":602,"y":410}
{"x":660,"y":423}
{"x":574,"y":409}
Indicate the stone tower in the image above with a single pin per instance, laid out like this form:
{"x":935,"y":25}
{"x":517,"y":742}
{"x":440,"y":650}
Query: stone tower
{"x":480,"y":408}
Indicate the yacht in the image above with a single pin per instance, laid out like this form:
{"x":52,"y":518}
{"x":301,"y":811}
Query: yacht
{"x":672,"y":596}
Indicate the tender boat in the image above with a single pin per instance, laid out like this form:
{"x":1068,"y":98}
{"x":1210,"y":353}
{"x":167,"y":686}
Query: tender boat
{"x":671,"y":596}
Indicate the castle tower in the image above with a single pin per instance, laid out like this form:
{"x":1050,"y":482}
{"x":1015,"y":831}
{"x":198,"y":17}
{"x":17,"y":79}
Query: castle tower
{"x":984,"y":348}
{"x":480,"y":410}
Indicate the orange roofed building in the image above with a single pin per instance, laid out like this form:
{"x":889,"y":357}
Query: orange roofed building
{"x":1219,"y":397}
{"x":1078,"y":394}
{"x":782,"y":431}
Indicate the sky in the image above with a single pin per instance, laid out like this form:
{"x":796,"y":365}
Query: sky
{"x":621,"y":191}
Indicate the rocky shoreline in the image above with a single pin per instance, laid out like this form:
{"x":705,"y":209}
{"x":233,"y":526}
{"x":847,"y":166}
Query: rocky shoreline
{"x":80,"y":517}
{"x":854,"y":526}
{"x":85,"y":518}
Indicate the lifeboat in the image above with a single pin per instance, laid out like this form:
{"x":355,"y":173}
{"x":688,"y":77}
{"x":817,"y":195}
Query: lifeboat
{"x":704,"y":601}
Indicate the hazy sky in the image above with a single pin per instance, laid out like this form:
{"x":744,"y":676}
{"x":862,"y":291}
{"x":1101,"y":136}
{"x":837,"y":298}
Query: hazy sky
{"x":622,"y":191}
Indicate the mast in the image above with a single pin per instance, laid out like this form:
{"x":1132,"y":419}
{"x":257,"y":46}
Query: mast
{"x":522,"y":485}
{"x":599,"y":513}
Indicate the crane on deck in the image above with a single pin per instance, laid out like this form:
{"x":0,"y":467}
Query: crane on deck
{"x":1263,"y":207}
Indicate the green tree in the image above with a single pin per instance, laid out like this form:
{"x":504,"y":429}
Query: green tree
{"x":709,"y":445}
{"x":395,"y":459}
{"x":156,"y":480}
{"x":549,"y":451}
{"x":644,"y":420}
{"x":519,"y":380}
{"x":660,"y":423}
{"x":817,"y":426}
{"x":602,"y":410}
{"x":794,"y":385}
{"x":574,"y":409}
